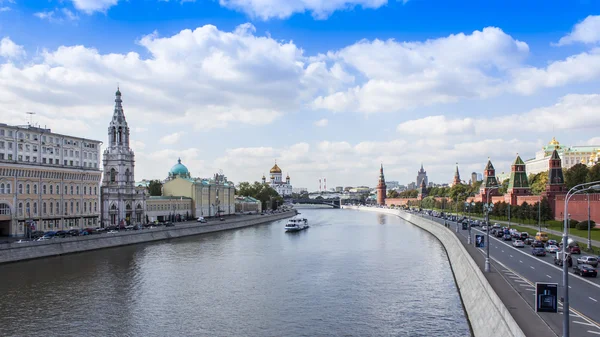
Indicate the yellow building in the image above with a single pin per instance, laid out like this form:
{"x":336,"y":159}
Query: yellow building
{"x":209,"y":196}
{"x":48,"y":181}
{"x":168,"y":209}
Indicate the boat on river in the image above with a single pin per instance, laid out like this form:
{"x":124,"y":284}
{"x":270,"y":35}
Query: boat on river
{"x":296,"y":224}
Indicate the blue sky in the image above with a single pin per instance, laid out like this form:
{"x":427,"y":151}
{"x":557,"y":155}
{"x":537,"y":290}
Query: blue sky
{"x":329,"y":89}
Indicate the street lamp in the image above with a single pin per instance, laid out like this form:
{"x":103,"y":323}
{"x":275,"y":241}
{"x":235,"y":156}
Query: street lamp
{"x":575,"y":190}
{"x":468,"y":207}
{"x":488,"y":207}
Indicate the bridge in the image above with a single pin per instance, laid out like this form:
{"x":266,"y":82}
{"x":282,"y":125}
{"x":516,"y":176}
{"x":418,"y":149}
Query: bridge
{"x":334,"y":203}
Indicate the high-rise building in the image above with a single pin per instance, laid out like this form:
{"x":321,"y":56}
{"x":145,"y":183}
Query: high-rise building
{"x":474,"y":178}
{"x":48,"y":181}
{"x":421,"y":176}
{"x":122,"y":203}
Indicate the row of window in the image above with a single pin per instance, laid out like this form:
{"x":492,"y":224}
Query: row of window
{"x":166,"y":207}
{"x":49,"y":208}
{"x":49,"y":189}
{"x":14,"y":172}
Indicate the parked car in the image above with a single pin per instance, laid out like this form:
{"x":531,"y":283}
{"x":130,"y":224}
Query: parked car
{"x":591,"y":260}
{"x":44,"y":238}
{"x":585,"y":270}
{"x":112,"y":231}
{"x":201,"y":219}
{"x":552,"y":249}
{"x":574,"y":250}
{"x":538,"y":251}
{"x":507,"y":237}
{"x":221,"y":219}
{"x":518,"y":244}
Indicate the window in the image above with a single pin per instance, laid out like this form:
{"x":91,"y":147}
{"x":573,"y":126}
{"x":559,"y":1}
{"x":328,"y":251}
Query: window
{"x":57,"y":189}
{"x":77,"y":190}
{"x":26,"y":158}
{"x":20,"y":209}
{"x":84,"y":190}
{"x":20,"y":158}
{"x":20,"y":188}
{"x":34,"y":188}
{"x":71,"y":162}
{"x":27,"y":189}
{"x":84,"y":207}
{"x":10,"y":145}
{"x":127,"y":175}
{"x":71,"y":207}
{"x":1,"y":132}
{"x":43,"y":160}
{"x":76,"y":153}
{"x":27,"y":147}
{"x":57,"y":208}
{"x":66,"y":209}
{"x":44,"y":208}
{"x":1,"y":145}
{"x":35,"y":208}
{"x":113,"y":174}
{"x":77,"y":208}
{"x":66,"y":191}
{"x":71,"y":189}
{"x":44,"y":189}
{"x":95,"y":190}
{"x":52,"y":208}
{"x":4,"y":209}
{"x":7,"y":188}
{"x":51,"y":188}
{"x":65,"y":163}
{"x":95,"y":206}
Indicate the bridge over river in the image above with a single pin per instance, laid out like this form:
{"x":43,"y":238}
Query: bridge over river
{"x":333,"y":203}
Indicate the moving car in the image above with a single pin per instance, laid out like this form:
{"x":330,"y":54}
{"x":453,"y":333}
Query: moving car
{"x":574,"y":250}
{"x":484,"y":228}
{"x":507,"y":237}
{"x":518,"y":244}
{"x":537,"y":243}
{"x":524,"y":235}
{"x":538,"y":251}
{"x":552,"y":249}
{"x":592,"y":261}
{"x":541,"y":236}
{"x":528,"y":241}
{"x":585,"y":270}
{"x":551,"y":243}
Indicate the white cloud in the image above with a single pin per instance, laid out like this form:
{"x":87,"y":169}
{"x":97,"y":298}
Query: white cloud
{"x":57,"y":15}
{"x":137,"y":145}
{"x":4,"y":9}
{"x":322,"y":122}
{"x":586,"y":31}
{"x":140,"y":129}
{"x":593,"y":141}
{"x":437,"y":125}
{"x":403,"y":75}
{"x":281,"y":9}
{"x":11,"y":50}
{"x":90,"y":6}
{"x":172,"y":138}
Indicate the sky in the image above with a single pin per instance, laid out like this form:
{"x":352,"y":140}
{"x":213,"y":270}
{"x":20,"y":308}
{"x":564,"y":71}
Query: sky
{"x":327,"y":88}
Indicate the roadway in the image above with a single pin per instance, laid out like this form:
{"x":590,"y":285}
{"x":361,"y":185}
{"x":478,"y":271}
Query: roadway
{"x":524,"y":270}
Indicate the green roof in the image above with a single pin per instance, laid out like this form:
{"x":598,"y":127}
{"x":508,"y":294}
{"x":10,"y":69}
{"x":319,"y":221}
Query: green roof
{"x":519,"y":161}
{"x":489,"y":166}
{"x":518,"y":176}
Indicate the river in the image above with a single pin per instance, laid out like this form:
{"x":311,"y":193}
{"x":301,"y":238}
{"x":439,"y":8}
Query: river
{"x":351,"y":273}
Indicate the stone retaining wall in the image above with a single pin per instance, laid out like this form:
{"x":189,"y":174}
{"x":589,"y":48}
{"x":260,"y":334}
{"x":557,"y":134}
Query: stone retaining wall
{"x":487,"y":314}
{"x":14,"y":252}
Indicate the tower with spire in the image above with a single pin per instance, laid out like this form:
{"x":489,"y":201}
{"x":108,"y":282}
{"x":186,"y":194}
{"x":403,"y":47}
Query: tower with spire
{"x":121,"y":203}
{"x":456,"y":180}
{"x":421,"y":176}
{"x":556,"y":180}
{"x":517,"y":183}
{"x":422,"y":191}
{"x":381,"y":188}
{"x":489,"y":181}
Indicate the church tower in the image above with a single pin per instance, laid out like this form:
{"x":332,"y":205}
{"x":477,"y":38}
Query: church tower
{"x":381,"y":188}
{"x":121,"y":203}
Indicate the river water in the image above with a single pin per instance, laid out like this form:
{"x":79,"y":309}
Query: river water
{"x":351,"y":273}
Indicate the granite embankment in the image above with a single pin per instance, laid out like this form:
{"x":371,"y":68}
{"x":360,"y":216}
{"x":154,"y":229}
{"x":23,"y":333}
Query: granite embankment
{"x":487,"y":314}
{"x":14,"y":252}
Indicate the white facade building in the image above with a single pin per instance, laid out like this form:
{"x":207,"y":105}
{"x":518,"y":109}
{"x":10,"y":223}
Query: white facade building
{"x":569,"y":155}
{"x":284,"y":188}
{"x":121,"y":202}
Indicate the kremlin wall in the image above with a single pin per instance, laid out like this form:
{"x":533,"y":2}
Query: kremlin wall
{"x":518,"y":191}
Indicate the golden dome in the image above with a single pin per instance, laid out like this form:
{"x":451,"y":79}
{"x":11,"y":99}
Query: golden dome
{"x":288,"y":177}
{"x":554,"y":141}
{"x":275,"y":169}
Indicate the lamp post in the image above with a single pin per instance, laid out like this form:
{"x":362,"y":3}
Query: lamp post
{"x":540,"y":214}
{"x":575,"y":190}
{"x":589,"y":243}
{"x":468,"y":206}
{"x":488,"y":207}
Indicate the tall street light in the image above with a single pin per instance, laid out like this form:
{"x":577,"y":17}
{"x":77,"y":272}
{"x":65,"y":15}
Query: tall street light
{"x":589,"y":243}
{"x":488,"y":207}
{"x":575,"y":190}
{"x":469,"y":206}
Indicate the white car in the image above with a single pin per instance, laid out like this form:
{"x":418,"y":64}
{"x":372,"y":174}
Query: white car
{"x":484,"y":228}
{"x":201,"y":219}
{"x":518,"y":243}
{"x":552,"y":249}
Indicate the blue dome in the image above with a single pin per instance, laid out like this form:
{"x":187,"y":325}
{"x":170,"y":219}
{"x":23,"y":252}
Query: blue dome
{"x":179,"y":169}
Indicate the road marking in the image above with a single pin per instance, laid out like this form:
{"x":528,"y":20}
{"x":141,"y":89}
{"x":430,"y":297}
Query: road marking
{"x":583,"y":323}
{"x":525,"y":285}
{"x":503,"y":251}
{"x":593,"y":299}
{"x":594,"y":332}
{"x":520,"y":261}
{"x":548,"y":276}
{"x":521,"y":281}
{"x":530,"y":289}
{"x":532,"y":267}
{"x":569,"y":287}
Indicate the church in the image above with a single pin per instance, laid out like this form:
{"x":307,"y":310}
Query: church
{"x":284,"y":188}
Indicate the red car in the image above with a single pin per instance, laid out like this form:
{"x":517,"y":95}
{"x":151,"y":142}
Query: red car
{"x":575,"y":250}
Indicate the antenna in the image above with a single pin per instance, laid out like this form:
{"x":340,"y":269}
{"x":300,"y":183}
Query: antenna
{"x":30,"y":122}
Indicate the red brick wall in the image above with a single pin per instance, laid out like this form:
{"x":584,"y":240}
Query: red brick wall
{"x":578,"y":207}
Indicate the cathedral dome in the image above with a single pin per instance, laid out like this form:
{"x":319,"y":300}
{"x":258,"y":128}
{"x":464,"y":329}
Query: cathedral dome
{"x":179,"y":169}
{"x":554,"y":141}
{"x":275,"y":169}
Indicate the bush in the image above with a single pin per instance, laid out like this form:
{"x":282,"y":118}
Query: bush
{"x":573,"y":223}
{"x":583,"y":225}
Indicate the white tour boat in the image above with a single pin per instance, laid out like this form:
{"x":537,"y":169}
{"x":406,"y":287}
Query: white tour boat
{"x":296,"y":224}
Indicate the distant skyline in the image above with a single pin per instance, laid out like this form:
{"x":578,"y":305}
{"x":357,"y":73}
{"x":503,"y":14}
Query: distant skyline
{"x":327,"y":88}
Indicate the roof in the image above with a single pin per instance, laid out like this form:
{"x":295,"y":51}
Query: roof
{"x":519,"y":161}
{"x":168,"y":197}
{"x":489,"y":166}
{"x":179,"y":169}
{"x":275,"y":169}
{"x":555,"y":155}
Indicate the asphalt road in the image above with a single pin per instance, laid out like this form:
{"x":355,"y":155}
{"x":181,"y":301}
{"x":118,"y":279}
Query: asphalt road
{"x":524,"y":270}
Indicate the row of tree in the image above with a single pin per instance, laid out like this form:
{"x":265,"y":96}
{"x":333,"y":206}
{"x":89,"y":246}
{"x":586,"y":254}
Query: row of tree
{"x":260,"y":191}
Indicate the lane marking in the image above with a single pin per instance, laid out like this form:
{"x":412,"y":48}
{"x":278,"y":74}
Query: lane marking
{"x":511,"y":255}
{"x":548,"y":276}
{"x":530,"y":289}
{"x":593,"y":299}
{"x":583,"y":323}
{"x":569,"y":287}
{"x":532,"y":267}
{"x":520,"y":261}
{"x":594,"y":332}
{"x":524,"y":285}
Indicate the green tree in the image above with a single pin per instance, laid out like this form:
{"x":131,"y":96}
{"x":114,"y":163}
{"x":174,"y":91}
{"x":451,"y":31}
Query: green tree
{"x":538,"y":182}
{"x":263,"y":192}
{"x":504,"y":187}
{"x":393,"y":194}
{"x":155,"y":188}
{"x":576,"y":175}
{"x":593,"y":173}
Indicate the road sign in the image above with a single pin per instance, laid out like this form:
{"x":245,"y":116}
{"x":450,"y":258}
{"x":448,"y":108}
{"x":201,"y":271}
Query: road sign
{"x":479,"y":240}
{"x":546,"y":297}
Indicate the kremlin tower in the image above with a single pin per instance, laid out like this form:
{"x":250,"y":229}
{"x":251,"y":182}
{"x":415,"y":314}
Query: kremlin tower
{"x":381,"y":188}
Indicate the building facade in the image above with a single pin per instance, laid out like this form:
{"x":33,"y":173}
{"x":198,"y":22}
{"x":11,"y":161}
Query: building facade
{"x":284,"y":188}
{"x":168,"y":208}
{"x":247,"y":205}
{"x":122,"y":202}
{"x":210,"y":197}
{"x":569,"y":156}
{"x":421,"y":176}
{"x":48,"y":181}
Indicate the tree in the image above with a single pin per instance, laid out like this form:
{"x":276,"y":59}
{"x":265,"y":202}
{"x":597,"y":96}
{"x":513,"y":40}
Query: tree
{"x":155,"y":188}
{"x":504,"y":187}
{"x":538,"y":182}
{"x":261,"y":191}
{"x":576,"y":175}
{"x":583,"y":225}
{"x":594,"y":173}
{"x":393,"y":194}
